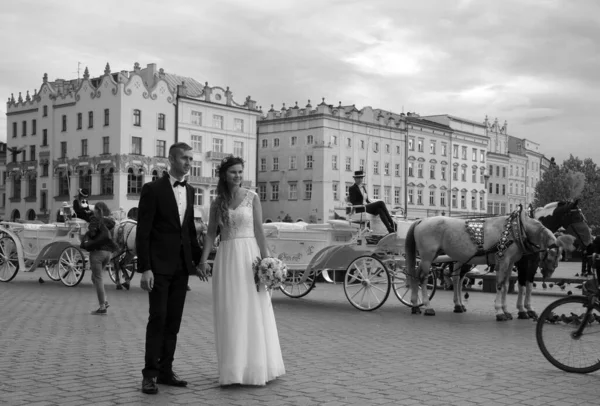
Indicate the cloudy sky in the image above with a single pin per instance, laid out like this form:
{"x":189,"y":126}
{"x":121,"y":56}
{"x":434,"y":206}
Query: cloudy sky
{"x":535,"y":63}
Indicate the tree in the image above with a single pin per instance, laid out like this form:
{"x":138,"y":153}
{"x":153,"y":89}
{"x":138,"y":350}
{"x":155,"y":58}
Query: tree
{"x":552,"y":187}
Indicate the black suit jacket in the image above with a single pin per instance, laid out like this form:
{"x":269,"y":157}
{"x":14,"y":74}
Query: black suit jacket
{"x":160,"y":235}
{"x":356,"y":197}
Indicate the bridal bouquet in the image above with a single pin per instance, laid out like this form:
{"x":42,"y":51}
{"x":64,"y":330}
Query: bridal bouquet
{"x":269,"y":272}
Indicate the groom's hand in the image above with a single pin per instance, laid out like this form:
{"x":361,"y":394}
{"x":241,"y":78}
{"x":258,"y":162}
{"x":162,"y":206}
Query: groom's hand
{"x":147,"y":282}
{"x":202,"y":271}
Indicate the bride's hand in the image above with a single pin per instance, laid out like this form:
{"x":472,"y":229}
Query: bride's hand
{"x":202,"y":271}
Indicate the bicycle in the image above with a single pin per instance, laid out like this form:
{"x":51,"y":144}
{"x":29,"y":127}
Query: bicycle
{"x":568,"y":330}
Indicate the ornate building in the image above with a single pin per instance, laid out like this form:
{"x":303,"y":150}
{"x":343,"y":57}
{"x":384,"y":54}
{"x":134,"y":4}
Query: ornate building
{"x":518,"y":162}
{"x":498,"y":163}
{"x":108,"y":134}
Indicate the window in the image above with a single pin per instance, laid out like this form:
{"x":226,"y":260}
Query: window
{"x":238,"y":125}
{"x":411,"y":196}
{"x":386,"y":169}
{"x":504,"y":172}
{"x":217,"y":144}
{"x":497,"y":188}
{"x":481,"y":202}
{"x":161,"y":121}
{"x":161,"y":148}
{"x":135,"y":180}
{"x":455,"y":173}
{"x":411,"y":144}
{"x":307,"y":190}
{"x":293,"y":163}
{"x":107,"y":181}
{"x":14,"y":130}
{"x":491,"y":187}
{"x":265,"y":143}
{"x":398,"y":149}
{"x":511,"y":170}
{"x":45,"y":169}
{"x":420,"y":170}
{"x":481,"y":155}
{"x":503,"y":189}
{"x":455,"y":151}
{"x":482,"y":175}
{"x":292,"y":191}
{"x":432,"y":147}
{"x":443,"y":174}
{"x":33,"y":127}
{"x":90,"y":119}
{"x":44,"y":200}
{"x":212,"y":195}
{"x":197,"y":143}
{"x":84,"y":147}
{"x":411,"y":169}
{"x":63,"y":149}
{"x":198,"y":197}
{"x":443,"y":199}
{"x":309,"y":140}
{"x":309,"y":163}
{"x":64,"y":123}
{"x":376,"y":147}
{"x":376,"y":167}
{"x":275,"y":142}
{"x":217,"y":121}
{"x":432,"y":197}
{"x":375,"y":192}
{"x":497,"y":171}
{"x":420,"y":146}
{"x":348,"y":163}
{"x":136,"y":145}
{"x":386,"y":194}
{"x":262,"y":192}
{"x":45,"y":111}
{"x":419,"y":196}
{"x":196,"y":169}
{"x":444,"y":149}
{"x":263,"y":164}
{"x":474,"y":201}
{"x":362,"y":144}
{"x":349,"y":142}
{"x":454,"y":201}
{"x":474,"y":157}
{"x":275,"y":163}
{"x":335,"y":186}
{"x":105,"y":145}
{"x":431,"y":171}
{"x":293,"y":140}
{"x":387,"y":148}
{"x":274,"y":191}
{"x":85,"y":179}
{"x":238,"y":148}
{"x":63,"y":183}
{"x":137,"y":118}
{"x":215,"y":170}
{"x":397,"y":169}
{"x":361,"y":166}
{"x":31,"y":152}
{"x":196,"y":117}
{"x":334,"y":162}
{"x":24,"y":125}
{"x":474,"y":175}
{"x":464,"y":152}
{"x":106,"y":117}
{"x":397,"y":194}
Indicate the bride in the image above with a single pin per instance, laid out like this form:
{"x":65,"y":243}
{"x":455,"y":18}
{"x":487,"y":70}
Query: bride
{"x":248,"y":350}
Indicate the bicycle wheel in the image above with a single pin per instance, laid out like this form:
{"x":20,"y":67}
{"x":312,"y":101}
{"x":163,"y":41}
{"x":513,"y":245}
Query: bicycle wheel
{"x":568,"y":334}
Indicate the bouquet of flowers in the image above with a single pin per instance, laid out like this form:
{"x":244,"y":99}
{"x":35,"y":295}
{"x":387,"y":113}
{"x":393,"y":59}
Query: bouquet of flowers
{"x":269,"y":272}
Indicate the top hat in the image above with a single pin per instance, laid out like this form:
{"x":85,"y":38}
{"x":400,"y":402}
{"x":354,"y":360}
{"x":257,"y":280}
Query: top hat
{"x":83,"y":192}
{"x":359,"y":174}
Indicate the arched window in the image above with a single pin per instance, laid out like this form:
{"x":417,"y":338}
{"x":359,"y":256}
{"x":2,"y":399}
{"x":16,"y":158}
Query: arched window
{"x":16,"y":214}
{"x":85,"y":179}
{"x":31,"y":214}
{"x":154,"y":175}
{"x":135,"y":179}
{"x":107,"y":181}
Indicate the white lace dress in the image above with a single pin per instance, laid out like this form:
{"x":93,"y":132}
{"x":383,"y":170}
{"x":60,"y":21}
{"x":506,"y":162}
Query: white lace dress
{"x":248,"y":350}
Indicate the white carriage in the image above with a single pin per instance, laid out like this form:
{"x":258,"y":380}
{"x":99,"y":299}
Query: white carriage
{"x":371,"y":264}
{"x":55,"y":246}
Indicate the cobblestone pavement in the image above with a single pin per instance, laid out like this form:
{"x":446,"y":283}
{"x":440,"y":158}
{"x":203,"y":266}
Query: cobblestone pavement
{"x":53,"y":352}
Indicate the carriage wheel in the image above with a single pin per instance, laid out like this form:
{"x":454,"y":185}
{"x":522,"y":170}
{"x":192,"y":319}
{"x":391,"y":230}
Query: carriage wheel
{"x":52,"y":270}
{"x":292,"y":286}
{"x":402,"y":288}
{"x":71,"y":266}
{"x":9,"y":261}
{"x":367,"y":283}
{"x":129,"y":269}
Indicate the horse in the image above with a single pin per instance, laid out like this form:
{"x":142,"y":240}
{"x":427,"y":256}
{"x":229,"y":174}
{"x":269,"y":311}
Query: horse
{"x":500,"y":240}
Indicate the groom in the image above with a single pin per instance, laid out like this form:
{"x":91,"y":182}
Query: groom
{"x":168,"y":250}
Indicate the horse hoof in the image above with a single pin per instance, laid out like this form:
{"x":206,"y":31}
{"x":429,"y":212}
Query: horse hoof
{"x":508,"y":316}
{"x":501,"y":317}
{"x":458,"y":309}
{"x":429,"y":312}
{"x":415,"y":310}
{"x":464,"y":308}
{"x":532,"y":314}
{"x":523,"y":316}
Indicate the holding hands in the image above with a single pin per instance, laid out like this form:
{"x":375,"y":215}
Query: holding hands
{"x":202,"y":270}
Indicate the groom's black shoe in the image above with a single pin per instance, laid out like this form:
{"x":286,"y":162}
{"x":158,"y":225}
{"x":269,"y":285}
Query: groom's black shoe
{"x":171,"y":380}
{"x":149,"y":386}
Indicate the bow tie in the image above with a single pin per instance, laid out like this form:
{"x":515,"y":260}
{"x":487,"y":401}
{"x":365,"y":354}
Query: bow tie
{"x":178,"y":183}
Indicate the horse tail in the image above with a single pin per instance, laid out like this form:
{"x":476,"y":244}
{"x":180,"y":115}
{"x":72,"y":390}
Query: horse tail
{"x":410,"y":250}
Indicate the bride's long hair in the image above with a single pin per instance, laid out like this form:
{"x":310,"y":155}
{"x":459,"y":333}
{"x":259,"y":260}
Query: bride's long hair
{"x":224,"y":197}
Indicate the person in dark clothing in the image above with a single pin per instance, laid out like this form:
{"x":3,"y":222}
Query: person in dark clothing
{"x":81,"y":206}
{"x":357,"y":195}
{"x":592,"y":255}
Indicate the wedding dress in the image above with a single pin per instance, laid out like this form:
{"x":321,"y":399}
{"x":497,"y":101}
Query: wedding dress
{"x":248,"y":350}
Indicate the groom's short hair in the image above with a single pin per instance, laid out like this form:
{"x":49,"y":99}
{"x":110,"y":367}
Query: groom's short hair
{"x":178,"y":146}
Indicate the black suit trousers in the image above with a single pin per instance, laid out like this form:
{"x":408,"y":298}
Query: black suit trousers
{"x":379,"y":208}
{"x":167,"y":300}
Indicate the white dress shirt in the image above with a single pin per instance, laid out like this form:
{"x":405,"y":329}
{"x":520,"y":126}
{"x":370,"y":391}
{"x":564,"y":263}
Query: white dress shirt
{"x":180,"y":193}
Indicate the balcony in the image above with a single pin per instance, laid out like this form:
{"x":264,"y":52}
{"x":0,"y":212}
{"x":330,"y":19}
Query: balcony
{"x":203,"y":180}
{"x":216,"y":156}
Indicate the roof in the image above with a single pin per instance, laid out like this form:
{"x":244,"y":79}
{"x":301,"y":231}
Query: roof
{"x":194,"y":88}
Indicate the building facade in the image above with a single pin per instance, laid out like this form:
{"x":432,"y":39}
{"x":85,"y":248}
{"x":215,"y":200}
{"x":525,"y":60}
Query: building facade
{"x":307,"y":158}
{"x":498,"y":165}
{"x":3,"y":176}
{"x":215,"y":126}
{"x":533,"y":171}
{"x":518,"y":161}
{"x":107,"y":134}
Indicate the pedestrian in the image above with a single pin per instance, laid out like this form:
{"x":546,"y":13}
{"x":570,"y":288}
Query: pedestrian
{"x":168,"y":252}
{"x":98,"y":242}
{"x":246,"y":337}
